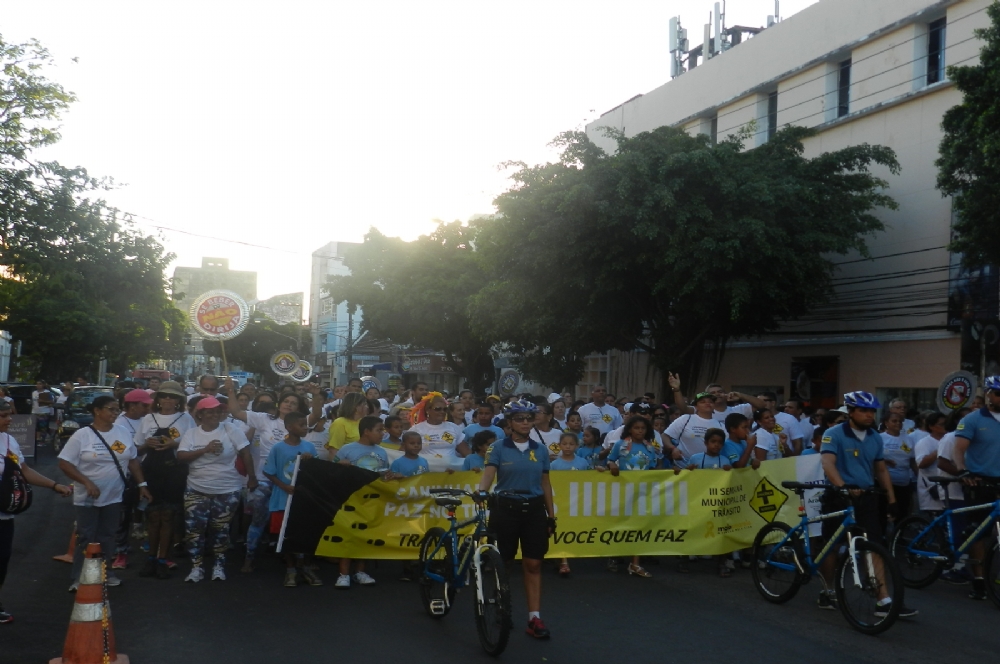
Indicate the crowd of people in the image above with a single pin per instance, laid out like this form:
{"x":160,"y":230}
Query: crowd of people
{"x":194,"y":472}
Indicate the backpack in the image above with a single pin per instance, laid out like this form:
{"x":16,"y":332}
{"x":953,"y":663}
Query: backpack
{"x":15,"y":492}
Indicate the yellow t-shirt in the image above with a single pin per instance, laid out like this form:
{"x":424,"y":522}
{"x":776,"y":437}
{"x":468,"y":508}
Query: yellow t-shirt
{"x":343,"y":431}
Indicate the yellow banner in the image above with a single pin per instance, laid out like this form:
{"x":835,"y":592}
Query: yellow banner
{"x":653,"y":512}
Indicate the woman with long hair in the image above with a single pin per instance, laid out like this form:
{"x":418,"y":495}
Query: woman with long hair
{"x":634,"y":451}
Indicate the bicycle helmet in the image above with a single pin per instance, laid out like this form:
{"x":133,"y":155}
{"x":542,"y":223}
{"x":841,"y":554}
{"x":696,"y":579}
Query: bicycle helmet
{"x":992,"y":383}
{"x":519,"y":406}
{"x":861,"y":400}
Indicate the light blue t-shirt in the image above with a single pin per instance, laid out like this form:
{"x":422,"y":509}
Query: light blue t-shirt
{"x":706,"y":460}
{"x":855,"y":458}
{"x":590,"y":454}
{"x":473,"y":429}
{"x":733,"y":450}
{"x":369,"y":457}
{"x":982,"y":430}
{"x":517,"y":471}
{"x":473,"y":462}
{"x":809,"y":450}
{"x":409,"y":467}
{"x":280,"y":463}
{"x":577,"y":463}
{"x":632,"y":455}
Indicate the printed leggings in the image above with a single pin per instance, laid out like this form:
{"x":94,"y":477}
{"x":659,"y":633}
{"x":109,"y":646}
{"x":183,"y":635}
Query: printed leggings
{"x":258,"y":503}
{"x":202,"y":509}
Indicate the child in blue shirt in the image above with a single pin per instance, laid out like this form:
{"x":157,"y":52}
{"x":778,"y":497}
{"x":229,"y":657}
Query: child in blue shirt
{"x":634,"y":451}
{"x":411,"y":463}
{"x":591,"y":449}
{"x":568,"y":459}
{"x":392,"y":439}
{"x":365,"y":453}
{"x":484,"y":417}
{"x":278,"y":468}
{"x":712,"y":457}
{"x":480,"y":442}
{"x":737,"y":448}
{"x":817,"y":440}
{"x":574,"y":424}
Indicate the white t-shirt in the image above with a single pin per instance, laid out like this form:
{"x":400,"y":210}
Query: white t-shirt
{"x":925,"y":446}
{"x":769,"y":442}
{"x":38,"y":409}
{"x":242,"y":426}
{"x":946,"y":450}
{"x":269,"y":432}
{"x":720,"y":416}
{"x":603,"y":418}
{"x":790,"y":426}
{"x":899,"y":450}
{"x":549,"y":438}
{"x":214,"y":473}
{"x":86,"y":451}
{"x":130,"y":425}
{"x":689,"y":432}
{"x":8,"y":446}
{"x":439,"y":439}
{"x":177,"y":423}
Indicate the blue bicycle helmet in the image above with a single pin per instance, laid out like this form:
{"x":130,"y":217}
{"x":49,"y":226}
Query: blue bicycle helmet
{"x":861,"y":400}
{"x":992,"y":383}
{"x":520,"y":406}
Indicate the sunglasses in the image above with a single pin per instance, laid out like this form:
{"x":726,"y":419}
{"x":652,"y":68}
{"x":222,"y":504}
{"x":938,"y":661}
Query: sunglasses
{"x":522,"y":418}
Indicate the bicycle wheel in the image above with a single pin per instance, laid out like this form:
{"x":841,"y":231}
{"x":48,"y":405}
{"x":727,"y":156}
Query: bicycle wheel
{"x":918,"y":571}
{"x":493,"y":620}
{"x":991,"y":567}
{"x":775,"y":584}
{"x":437,"y":597}
{"x":879,"y":577}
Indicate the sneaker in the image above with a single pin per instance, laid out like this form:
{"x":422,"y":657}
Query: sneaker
{"x":195,"y":575}
{"x":904,"y":611}
{"x":537,"y":629}
{"x":955,"y":577}
{"x":171,"y":565}
{"x":343,"y":581}
{"x":218,"y":573}
{"x":121,"y":561}
{"x":827,"y":601}
{"x":364,"y":579}
{"x":148,"y":568}
{"x":73,"y":586}
{"x":5,"y":617}
{"x":163,"y":571}
{"x":311,"y":577}
{"x":978,"y":591}
{"x":112,"y":581}
{"x":291,"y":578}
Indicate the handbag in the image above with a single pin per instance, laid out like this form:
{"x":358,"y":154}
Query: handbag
{"x":15,"y":492}
{"x":130,"y":493}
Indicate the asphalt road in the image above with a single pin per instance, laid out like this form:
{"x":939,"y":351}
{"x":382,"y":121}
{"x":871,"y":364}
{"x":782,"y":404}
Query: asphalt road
{"x":595,"y":616}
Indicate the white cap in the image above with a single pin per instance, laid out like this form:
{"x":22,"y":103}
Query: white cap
{"x":554,"y":397}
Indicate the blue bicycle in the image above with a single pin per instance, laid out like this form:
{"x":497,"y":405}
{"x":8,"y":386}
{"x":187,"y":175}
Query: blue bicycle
{"x":924,"y":547}
{"x":448,"y":559}
{"x":865,"y":578}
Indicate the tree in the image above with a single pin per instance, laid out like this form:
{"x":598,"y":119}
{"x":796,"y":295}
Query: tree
{"x":78,"y":281}
{"x":670,"y":245}
{"x":417,"y":294}
{"x":969,"y":161}
{"x":254,"y":348}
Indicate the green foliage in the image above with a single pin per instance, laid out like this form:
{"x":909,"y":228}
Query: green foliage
{"x":668,"y":245}
{"x":77,"y":280}
{"x":969,"y":162}
{"x":262,"y":338}
{"x":417,"y":294}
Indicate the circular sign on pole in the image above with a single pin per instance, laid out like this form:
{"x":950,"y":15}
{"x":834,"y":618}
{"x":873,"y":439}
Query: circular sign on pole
{"x":956,"y":391}
{"x":368,"y":382}
{"x":220,"y":314}
{"x":509,"y":380}
{"x":285,"y":363}
{"x":303,"y":372}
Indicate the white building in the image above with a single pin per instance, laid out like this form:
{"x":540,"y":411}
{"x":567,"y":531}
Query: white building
{"x":859,"y":71}
{"x":330,"y":324}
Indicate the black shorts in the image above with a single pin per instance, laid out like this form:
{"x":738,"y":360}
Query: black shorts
{"x":512,"y":525}
{"x":866,"y":514}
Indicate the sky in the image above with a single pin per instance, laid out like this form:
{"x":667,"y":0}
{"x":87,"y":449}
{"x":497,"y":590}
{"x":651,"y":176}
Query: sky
{"x":289,"y":125}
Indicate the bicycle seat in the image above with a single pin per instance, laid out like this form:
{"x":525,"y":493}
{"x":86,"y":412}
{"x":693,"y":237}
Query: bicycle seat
{"x":447,"y":502}
{"x":943,"y":480}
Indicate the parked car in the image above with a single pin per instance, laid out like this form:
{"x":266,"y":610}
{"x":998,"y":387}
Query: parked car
{"x":21,"y":394}
{"x":75,"y":413}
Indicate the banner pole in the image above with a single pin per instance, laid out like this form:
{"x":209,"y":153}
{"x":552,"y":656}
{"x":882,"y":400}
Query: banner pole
{"x":225,"y":365}
{"x":288,"y":505}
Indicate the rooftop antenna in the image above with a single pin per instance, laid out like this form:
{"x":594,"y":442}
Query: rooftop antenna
{"x":678,"y":47}
{"x":717,"y":24}
{"x":776,"y":18}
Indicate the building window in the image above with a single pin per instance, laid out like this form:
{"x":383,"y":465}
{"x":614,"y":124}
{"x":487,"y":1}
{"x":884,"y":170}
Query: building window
{"x":772,"y":115}
{"x":713,"y":133}
{"x":935,"y":51}
{"x":844,"y":89}
{"x":327,"y":307}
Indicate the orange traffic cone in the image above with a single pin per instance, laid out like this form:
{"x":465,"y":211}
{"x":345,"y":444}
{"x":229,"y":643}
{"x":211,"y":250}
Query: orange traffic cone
{"x":90,"y":638}
{"x":68,"y":556}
